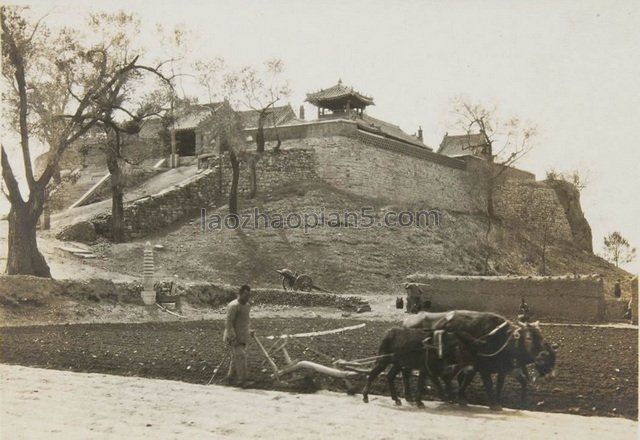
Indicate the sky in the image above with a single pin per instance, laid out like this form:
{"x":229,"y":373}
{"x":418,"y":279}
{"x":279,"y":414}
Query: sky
{"x":572,"y":68}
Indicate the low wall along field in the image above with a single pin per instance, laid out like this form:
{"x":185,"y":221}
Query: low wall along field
{"x":23,"y":297}
{"x":572,"y":299}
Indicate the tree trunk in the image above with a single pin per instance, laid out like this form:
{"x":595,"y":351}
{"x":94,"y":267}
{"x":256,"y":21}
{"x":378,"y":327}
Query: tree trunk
{"x":487,"y":234}
{"x":279,"y":141}
{"x":260,"y":132}
{"x":23,"y":257}
{"x":487,"y":242}
{"x":253,"y":177}
{"x":117,"y":206}
{"x":233,"y":192}
{"x":117,"y":218}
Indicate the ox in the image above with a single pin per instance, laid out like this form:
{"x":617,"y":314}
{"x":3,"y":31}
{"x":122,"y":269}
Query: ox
{"x":432,"y":353}
{"x":499,"y":348}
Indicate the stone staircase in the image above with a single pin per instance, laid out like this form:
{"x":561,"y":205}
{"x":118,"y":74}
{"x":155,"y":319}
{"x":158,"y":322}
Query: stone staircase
{"x":69,"y":193}
{"x":77,"y":194}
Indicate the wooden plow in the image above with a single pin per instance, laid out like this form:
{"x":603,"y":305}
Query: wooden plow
{"x":340,"y":369}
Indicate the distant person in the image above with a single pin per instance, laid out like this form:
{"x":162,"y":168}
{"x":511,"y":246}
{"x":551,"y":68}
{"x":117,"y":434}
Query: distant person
{"x":617,"y":291}
{"x":523,"y":311}
{"x":399,"y":303}
{"x":236,"y":336}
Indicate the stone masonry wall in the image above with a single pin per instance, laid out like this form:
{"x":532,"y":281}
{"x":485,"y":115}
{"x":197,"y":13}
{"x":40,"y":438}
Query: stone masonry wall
{"x":370,"y":171}
{"x":535,"y":206}
{"x":575,"y":299}
{"x":366,"y":166}
{"x":161,"y":210}
{"x":273,"y":169}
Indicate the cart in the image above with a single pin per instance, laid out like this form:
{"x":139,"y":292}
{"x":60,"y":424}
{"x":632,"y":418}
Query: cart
{"x":297,"y":281}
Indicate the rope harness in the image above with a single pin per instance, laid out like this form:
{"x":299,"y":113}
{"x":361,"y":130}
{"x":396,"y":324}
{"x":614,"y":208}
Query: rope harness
{"x":514,"y":334}
{"x":436,"y":341}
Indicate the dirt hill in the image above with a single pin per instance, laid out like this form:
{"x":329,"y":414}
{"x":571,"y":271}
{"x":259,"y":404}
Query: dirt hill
{"x":342,"y":258}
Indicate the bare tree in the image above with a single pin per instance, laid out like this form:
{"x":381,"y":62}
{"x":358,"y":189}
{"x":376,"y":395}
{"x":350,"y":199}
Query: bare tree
{"x":122,"y":110}
{"x":579,"y":179}
{"x":503,"y":144}
{"x":258,"y":91}
{"x":56,"y":82}
{"x":223,"y":123}
{"x":225,"y":126}
{"x":618,"y":250}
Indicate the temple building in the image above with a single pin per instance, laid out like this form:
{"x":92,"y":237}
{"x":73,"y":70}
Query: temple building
{"x":343,"y":102}
{"x":192,"y":141}
{"x":465,"y":144}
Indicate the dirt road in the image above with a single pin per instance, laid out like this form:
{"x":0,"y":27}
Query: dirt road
{"x":39,"y":404}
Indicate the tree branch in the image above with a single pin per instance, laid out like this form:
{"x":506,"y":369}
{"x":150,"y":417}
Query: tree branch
{"x":9,"y":178}
{"x":17,"y":60}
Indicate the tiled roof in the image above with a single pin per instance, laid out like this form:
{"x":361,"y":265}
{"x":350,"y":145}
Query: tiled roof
{"x":275,"y":116}
{"x":378,"y":126}
{"x":457,"y":145}
{"x":195,"y":114}
{"x":336,"y":92}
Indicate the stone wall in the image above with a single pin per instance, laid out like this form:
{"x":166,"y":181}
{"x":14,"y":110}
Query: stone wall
{"x":372,"y":171}
{"x":20,"y":290}
{"x":366,"y":170}
{"x":569,"y":299}
{"x":534,"y":206}
{"x":25,"y":289}
{"x":373,"y":167}
{"x":156,"y":212}
{"x":569,"y":197}
{"x":272,"y":169}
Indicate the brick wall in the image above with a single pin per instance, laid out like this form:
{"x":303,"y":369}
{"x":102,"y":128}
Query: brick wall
{"x":573,"y":299}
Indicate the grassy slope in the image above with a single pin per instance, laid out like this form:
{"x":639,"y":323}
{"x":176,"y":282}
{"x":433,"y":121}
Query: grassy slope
{"x":349,"y":260}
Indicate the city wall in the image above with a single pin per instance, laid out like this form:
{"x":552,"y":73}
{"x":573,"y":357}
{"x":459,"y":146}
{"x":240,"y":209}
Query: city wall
{"x":366,"y":165}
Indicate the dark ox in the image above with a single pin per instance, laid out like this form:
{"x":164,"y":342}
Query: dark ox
{"x":495,"y":346}
{"x":408,"y":349}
